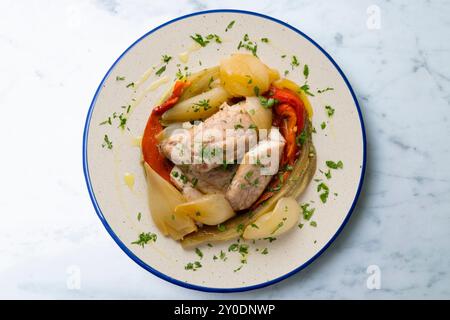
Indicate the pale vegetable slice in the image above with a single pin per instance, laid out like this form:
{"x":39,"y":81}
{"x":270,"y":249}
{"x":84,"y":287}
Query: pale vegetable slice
{"x":284,"y":216}
{"x":262,"y":117}
{"x":164,"y":134}
{"x":163,"y":198}
{"x":242,"y":73}
{"x":198,"y":107}
{"x":288,"y":84}
{"x":211,"y":209}
{"x":200,"y":82}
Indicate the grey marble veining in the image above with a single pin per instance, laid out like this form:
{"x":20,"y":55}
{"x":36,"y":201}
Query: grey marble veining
{"x":55,"y":53}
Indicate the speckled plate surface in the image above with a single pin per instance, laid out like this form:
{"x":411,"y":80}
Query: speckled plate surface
{"x":118,"y":205}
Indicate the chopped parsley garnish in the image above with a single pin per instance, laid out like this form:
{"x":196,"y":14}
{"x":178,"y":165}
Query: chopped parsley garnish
{"x":166,"y":58}
{"x":122,"y":121}
{"x":131,"y":84}
{"x":160,"y":71}
{"x":307,"y":211}
{"x":313,"y":224}
{"x":278,"y":227}
{"x":323,"y":125}
{"x":267,"y":102}
{"x":230,"y":25}
{"x":238,"y":269}
{"x":265,"y":40}
{"x":139,"y":216}
{"x":335,"y":165}
{"x":246,"y":43}
{"x":238,"y":126}
{"x":324,"y":195}
{"x":201,"y":104}
{"x":240,"y":228}
{"x":107,"y":143}
{"x":283,"y":56}
{"x":233,"y":247}
{"x":306,"y":71}
{"x":270,"y":239}
{"x":254,"y":226}
{"x":120,"y":78}
{"x":193,"y":266}
{"x":108,"y":121}
{"x":199,"y":39}
{"x":221,"y":227}
{"x":145,"y":238}
{"x":301,"y":138}
{"x":325,"y":90}
{"x":199,"y":252}
{"x":265,"y":251}
{"x":294,"y":62}
{"x":194,"y":181}
{"x":214,"y":37}
{"x":256,"y":91}
{"x":175,"y":174}
{"x":328,"y":174}
{"x":204,"y":41}
{"x":330,"y":111}
{"x":305,"y":89}
{"x":222,"y":255}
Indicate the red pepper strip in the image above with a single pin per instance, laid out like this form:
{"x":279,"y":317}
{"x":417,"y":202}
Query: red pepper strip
{"x":173,"y":99}
{"x":291,"y":98}
{"x":288,"y":130}
{"x":149,"y":145}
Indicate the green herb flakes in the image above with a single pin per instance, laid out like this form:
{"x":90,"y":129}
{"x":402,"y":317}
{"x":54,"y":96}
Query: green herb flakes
{"x":199,"y":252}
{"x":145,"y":238}
{"x":329,"y":110}
{"x":193,"y":266}
{"x":107,"y":143}
{"x":230,"y":25}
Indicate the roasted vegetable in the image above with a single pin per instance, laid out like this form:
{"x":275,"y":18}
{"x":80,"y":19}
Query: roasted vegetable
{"x":197,"y":107}
{"x":211,"y":209}
{"x":276,"y":222}
{"x":244,"y":75}
{"x":288,"y":84}
{"x":163,"y":199}
{"x":261,"y":116}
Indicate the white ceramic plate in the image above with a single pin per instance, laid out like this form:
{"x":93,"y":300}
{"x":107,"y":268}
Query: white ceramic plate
{"x":117,"y":205}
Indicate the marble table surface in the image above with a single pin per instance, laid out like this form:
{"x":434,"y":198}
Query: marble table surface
{"x":395,"y":54}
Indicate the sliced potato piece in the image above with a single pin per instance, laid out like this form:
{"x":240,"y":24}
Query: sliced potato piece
{"x":198,"y":107}
{"x":241,"y":73}
{"x":163,"y":198}
{"x":211,"y":209}
{"x":284,"y":216}
{"x":262,"y":117}
{"x":291,"y":85}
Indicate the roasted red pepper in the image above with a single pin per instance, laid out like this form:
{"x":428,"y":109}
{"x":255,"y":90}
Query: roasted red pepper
{"x":149,"y":145}
{"x":286,"y":118}
{"x":173,"y":99}
{"x":291,"y":98}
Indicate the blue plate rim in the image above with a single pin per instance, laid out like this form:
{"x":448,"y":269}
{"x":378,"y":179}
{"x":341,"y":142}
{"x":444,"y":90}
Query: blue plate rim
{"x":185,"y":284}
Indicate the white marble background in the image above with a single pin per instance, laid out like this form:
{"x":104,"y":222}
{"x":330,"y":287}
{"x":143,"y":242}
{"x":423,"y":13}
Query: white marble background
{"x":54,"y":54}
